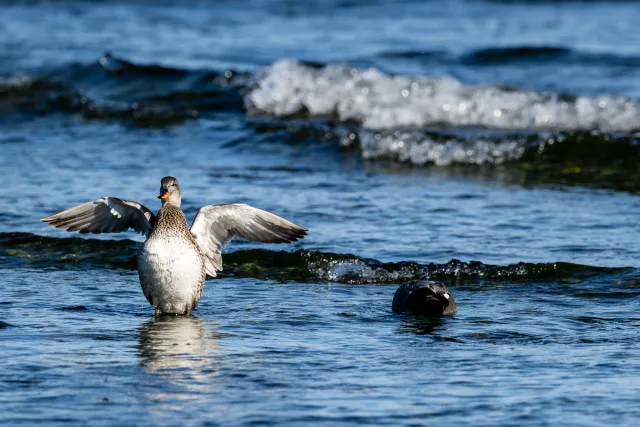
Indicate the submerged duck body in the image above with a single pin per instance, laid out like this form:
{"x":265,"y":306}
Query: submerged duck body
{"x":424,"y":297}
{"x":175,"y":259}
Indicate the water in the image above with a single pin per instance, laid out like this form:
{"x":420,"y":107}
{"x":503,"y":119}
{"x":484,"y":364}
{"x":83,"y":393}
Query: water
{"x":491,"y":145}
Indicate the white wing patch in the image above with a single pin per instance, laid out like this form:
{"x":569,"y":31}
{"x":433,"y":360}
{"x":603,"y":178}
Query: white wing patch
{"x":446,"y":296}
{"x":116,"y":213}
{"x":112,"y":207}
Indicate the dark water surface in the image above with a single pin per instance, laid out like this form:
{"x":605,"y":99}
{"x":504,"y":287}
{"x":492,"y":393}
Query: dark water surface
{"x":492,"y":145}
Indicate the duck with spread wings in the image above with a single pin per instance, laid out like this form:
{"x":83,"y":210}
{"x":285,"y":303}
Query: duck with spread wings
{"x":175,"y":260}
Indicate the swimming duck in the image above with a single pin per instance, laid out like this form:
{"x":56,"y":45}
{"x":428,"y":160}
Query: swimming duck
{"x":174,"y":259}
{"x":424,"y":297}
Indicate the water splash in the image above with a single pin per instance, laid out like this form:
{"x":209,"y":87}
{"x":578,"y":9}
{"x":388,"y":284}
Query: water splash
{"x":378,"y":100}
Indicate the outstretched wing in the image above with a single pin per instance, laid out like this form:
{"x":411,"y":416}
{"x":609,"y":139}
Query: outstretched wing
{"x":215,"y":225}
{"x":105,"y":215}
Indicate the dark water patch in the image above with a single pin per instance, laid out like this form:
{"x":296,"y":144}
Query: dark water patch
{"x":10,"y":384}
{"x":116,"y":77}
{"x":302,"y":131}
{"x":421,"y":325}
{"x":608,"y":296}
{"x":25,"y":250}
{"x":516,"y":56}
{"x":38,"y":95}
{"x":574,"y":158}
{"x":4,"y":325}
{"x":140,"y":115}
{"x":415,"y":54}
{"x":496,"y":55}
{"x":598,"y":159}
{"x":4,"y":139}
{"x":604,"y":320}
{"x":538,"y":55}
{"x":121,"y":67}
{"x":99,"y":336}
{"x":197,"y":90}
{"x":74,"y":308}
{"x":35,"y":96}
{"x":601,"y":160}
{"x":116,"y":89}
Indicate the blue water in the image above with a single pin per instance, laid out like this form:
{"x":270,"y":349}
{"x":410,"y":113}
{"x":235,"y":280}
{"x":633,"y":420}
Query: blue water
{"x":490,"y":145}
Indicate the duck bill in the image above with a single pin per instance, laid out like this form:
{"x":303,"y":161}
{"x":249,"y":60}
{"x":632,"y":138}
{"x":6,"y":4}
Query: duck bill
{"x":164,"y":195}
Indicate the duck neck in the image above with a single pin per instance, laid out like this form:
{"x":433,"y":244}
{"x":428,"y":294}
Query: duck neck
{"x":173,"y":199}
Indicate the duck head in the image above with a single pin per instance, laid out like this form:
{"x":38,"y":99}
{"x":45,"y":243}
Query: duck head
{"x":170,"y":191}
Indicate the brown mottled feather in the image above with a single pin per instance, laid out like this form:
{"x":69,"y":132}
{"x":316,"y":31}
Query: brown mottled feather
{"x":171,"y":222}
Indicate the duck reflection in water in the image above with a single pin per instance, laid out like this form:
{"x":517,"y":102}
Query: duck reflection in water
{"x":425,"y":325}
{"x":182,"y":353}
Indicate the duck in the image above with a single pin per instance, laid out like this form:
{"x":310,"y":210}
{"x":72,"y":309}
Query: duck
{"x":175,"y":260}
{"x":425,"y":298}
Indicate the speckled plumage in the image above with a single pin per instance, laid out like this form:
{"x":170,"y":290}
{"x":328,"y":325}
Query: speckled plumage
{"x":172,"y":280}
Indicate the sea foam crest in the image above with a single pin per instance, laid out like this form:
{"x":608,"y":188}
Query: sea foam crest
{"x":17,"y":81}
{"x":420,"y":149}
{"x":378,"y":100}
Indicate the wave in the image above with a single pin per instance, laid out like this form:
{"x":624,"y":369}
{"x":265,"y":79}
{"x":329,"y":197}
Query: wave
{"x":487,"y":56}
{"x":25,"y":250}
{"x":539,"y":55}
{"x":582,"y":152}
{"x":535,"y":55}
{"x":499,"y":55}
{"x":115,"y":89}
{"x":417,"y":121}
{"x":378,"y":100}
{"x":40,"y":96}
{"x":441,"y":149}
{"x":593,"y":159}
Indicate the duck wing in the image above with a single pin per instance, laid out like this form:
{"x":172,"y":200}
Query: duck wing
{"x":215,"y":225}
{"x":105,"y":215}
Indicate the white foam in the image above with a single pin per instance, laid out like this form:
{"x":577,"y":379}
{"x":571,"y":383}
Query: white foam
{"x":358,"y":271}
{"x":18,"y":81}
{"x":381,"y":101}
{"x":420,"y":149}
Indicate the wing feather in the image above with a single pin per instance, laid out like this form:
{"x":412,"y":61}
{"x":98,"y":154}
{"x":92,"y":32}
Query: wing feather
{"x":215,"y":225}
{"x":105,"y":215}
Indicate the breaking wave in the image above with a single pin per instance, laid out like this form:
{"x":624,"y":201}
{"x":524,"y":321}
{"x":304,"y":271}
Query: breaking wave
{"x":414,"y":120}
{"x":25,"y":250}
{"x":114,"y":88}
{"x":377,"y":100}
